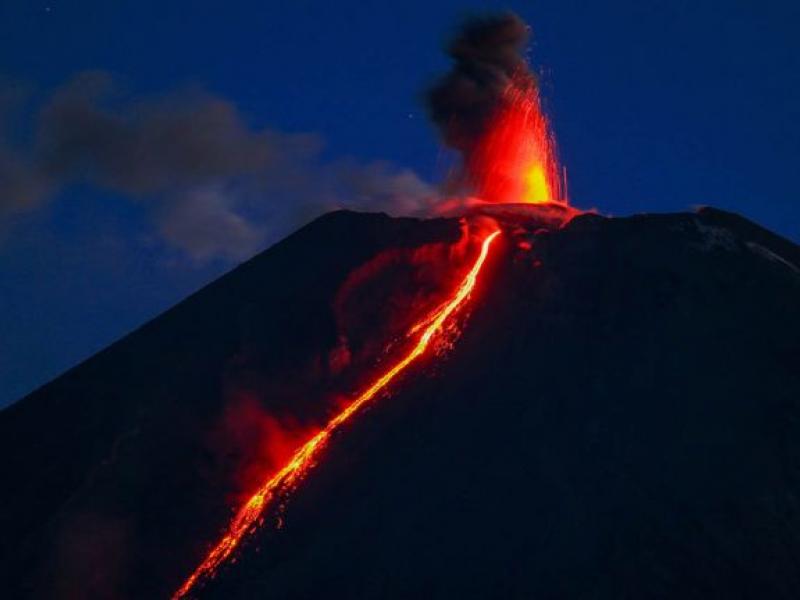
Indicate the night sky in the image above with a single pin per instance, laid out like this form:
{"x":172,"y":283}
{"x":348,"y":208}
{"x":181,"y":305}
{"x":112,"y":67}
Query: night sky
{"x":657,"y":106}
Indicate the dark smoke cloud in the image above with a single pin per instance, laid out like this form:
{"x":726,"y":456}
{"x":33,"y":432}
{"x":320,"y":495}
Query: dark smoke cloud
{"x":22,"y":186}
{"x":212,"y":185}
{"x":148,"y":146}
{"x":487,"y":53}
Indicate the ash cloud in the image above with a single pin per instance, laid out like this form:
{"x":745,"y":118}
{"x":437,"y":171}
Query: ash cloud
{"x":487,"y":53}
{"x":211,"y":185}
{"x":22,"y":186}
{"x":147,"y":146}
{"x":205,"y":223}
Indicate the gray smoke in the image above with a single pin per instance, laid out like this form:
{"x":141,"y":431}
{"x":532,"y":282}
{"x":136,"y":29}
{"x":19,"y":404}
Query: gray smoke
{"x":212,"y":185}
{"x":147,"y":146}
{"x":487,"y":53}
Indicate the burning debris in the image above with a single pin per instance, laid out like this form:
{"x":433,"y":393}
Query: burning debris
{"x":488,"y":108}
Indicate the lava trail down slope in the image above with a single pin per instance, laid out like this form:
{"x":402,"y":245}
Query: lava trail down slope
{"x":428,"y":328}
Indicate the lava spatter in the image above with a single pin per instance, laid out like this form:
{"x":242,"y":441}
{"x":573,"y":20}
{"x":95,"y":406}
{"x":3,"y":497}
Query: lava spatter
{"x":515,"y":160}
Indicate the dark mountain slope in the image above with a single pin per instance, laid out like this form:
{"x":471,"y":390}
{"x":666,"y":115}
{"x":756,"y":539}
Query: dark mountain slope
{"x":619,"y":422}
{"x":620,"y":418}
{"x":108,"y":472}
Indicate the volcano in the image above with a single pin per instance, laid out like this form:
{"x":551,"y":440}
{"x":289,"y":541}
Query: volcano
{"x":612,"y":414}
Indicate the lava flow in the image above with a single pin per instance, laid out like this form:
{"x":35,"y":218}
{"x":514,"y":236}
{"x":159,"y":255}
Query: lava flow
{"x":247,"y":517}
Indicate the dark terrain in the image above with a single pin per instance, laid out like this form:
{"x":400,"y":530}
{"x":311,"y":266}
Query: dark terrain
{"x":620,"y":418}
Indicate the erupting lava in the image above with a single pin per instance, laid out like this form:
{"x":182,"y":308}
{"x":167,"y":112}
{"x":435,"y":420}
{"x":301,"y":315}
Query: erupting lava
{"x":304,"y":457}
{"x":515,"y":159}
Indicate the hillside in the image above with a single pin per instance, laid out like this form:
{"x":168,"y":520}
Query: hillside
{"x":619,"y":418}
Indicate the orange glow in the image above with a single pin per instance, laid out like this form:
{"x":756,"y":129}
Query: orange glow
{"x":304,"y":458}
{"x":515,"y":161}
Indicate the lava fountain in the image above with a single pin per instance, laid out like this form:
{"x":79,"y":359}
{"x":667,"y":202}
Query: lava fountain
{"x":515,"y":159}
{"x":248,"y":517}
{"x":488,"y":108}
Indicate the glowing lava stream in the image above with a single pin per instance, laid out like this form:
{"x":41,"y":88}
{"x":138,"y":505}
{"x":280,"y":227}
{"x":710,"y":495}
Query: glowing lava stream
{"x":303,"y":458}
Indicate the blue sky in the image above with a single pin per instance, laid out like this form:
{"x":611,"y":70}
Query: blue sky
{"x":657,"y":106}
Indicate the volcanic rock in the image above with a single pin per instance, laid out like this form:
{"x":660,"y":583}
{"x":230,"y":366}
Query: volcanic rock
{"x":620,"y":417}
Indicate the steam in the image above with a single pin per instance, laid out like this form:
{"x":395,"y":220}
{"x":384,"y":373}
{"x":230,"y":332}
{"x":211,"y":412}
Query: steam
{"x":211,"y":185}
{"x":488,"y":54}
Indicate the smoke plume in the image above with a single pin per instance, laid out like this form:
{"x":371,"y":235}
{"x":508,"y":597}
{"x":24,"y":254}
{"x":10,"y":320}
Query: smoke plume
{"x":488,"y":55}
{"x":211,"y":185}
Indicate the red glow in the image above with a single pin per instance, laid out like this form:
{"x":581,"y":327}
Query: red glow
{"x":525,"y":245}
{"x":251,"y":442}
{"x":429,"y":328}
{"x":515,"y":161}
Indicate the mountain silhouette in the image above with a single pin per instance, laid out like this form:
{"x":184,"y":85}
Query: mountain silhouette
{"x":619,"y":417}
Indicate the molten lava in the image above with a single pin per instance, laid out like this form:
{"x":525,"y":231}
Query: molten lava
{"x":515,"y":159}
{"x":287,"y":478}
